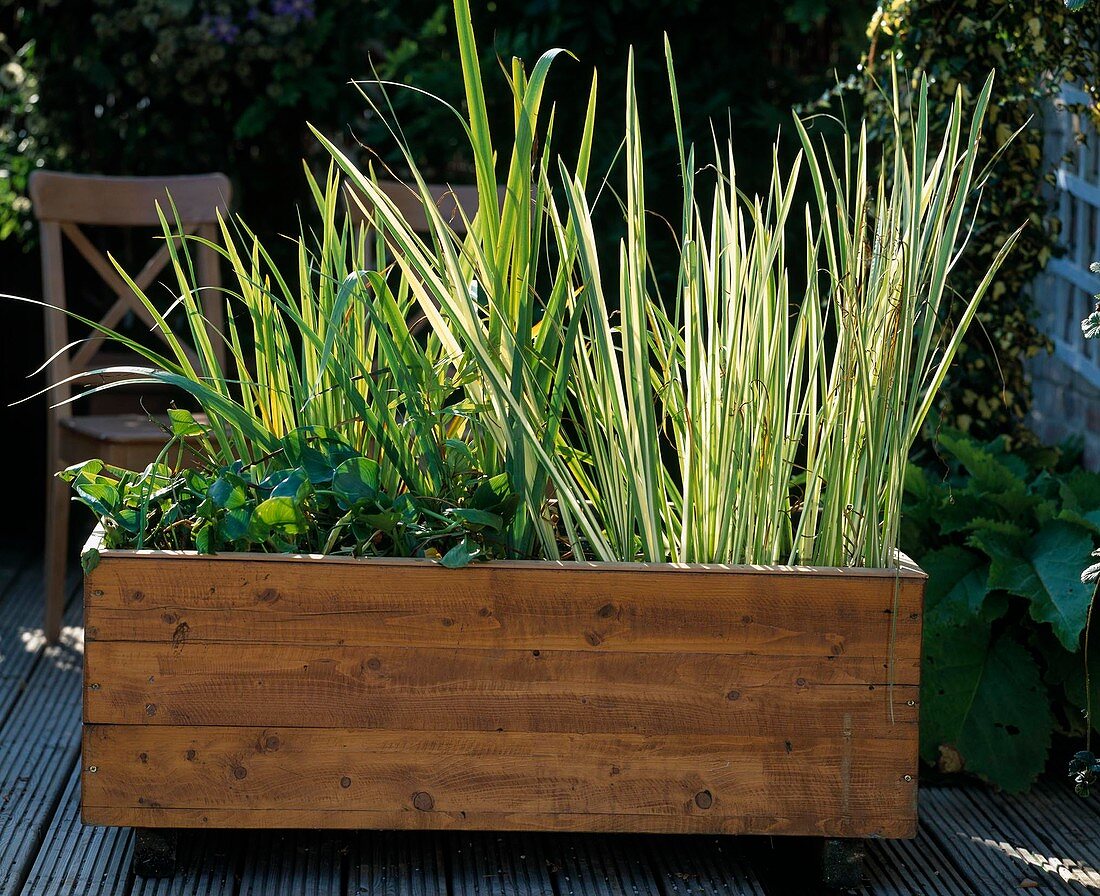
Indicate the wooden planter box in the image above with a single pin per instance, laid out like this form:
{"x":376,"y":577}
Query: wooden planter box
{"x":259,"y":691}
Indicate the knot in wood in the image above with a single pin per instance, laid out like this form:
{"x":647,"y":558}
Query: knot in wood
{"x":703,"y":799}
{"x":423,"y":801}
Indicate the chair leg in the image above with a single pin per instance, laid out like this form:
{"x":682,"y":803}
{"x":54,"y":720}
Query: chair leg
{"x":57,"y":555}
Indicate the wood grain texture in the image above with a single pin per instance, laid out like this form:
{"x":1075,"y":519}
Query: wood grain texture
{"x":127,"y":201}
{"x":487,"y":690}
{"x":321,"y":692}
{"x":460,"y":779}
{"x":505,"y":605}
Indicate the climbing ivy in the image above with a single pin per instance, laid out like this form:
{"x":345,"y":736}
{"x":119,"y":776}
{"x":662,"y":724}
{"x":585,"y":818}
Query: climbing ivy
{"x":1034,"y":46}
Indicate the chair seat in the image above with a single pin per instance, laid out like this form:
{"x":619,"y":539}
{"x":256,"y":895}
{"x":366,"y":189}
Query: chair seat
{"x":130,"y":441}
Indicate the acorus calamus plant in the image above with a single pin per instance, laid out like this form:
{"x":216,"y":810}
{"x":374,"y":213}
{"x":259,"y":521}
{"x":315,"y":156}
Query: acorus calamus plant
{"x":731,"y":419}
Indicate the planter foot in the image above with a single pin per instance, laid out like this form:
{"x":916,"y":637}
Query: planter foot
{"x":842,"y":863}
{"x":154,"y":852}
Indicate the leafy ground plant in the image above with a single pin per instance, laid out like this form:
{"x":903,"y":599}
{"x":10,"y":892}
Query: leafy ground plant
{"x":1003,"y":536}
{"x":313,"y":494}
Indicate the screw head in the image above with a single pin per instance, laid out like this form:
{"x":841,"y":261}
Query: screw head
{"x":908,"y":779}
{"x":93,"y":687}
{"x":92,"y":769}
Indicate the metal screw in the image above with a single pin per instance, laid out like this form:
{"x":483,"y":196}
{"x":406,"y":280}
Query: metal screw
{"x":92,"y":769}
{"x":910,"y":702}
{"x":908,"y":779}
{"x":93,"y":687}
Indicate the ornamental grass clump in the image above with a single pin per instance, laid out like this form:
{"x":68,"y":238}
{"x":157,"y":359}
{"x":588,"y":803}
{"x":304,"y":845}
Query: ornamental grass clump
{"x":731,"y":419}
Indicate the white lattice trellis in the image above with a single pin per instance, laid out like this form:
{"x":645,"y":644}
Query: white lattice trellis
{"x":1067,"y":284}
{"x":1066,"y":386}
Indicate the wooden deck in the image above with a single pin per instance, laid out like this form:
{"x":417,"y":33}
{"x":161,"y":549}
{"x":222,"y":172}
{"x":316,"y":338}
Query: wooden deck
{"x":973,"y":842}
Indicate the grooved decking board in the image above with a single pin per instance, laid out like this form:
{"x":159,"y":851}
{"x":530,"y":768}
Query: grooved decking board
{"x":1045,"y":815}
{"x":703,"y":866}
{"x":293,"y":863}
{"x":310,"y":777}
{"x":407,"y":863}
{"x":39,"y":743}
{"x":492,"y":864}
{"x":489,"y":690}
{"x":530,"y":606}
{"x":21,"y":637}
{"x":75,"y":859}
{"x":1002,"y":852}
{"x":917,"y":867}
{"x":599,"y":866}
{"x":207,"y":864}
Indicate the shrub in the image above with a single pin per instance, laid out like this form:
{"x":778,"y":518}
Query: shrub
{"x":1003,"y":536}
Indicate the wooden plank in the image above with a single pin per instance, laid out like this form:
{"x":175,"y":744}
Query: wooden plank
{"x":127,"y":201}
{"x":406,"y":863}
{"x":490,"y":690}
{"x":208,"y":864}
{"x":498,"y":865}
{"x":76,"y":859}
{"x":996,"y":852}
{"x":39,"y":742}
{"x":517,"y":606}
{"x":292,"y":863}
{"x":304,"y":777}
{"x":703,"y":866}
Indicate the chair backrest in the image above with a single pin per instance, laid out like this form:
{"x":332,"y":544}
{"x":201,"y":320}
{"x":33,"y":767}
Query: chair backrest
{"x":64,"y":202}
{"x":454,"y":202}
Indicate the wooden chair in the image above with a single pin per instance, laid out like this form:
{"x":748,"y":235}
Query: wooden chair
{"x":63,"y":203}
{"x":454,"y":202}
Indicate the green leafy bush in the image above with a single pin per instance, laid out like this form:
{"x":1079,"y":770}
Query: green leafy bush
{"x":313,"y":494}
{"x":1003,"y":537}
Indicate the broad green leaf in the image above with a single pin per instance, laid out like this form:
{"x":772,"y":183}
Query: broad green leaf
{"x":984,"y":705}
{"x":356,"y":479}
{"x":183,"y":423}
{"x":235,"y":524}
{"x":1058,"y":553}
{"x":477,"y":518}
{"x":957,"y":586}
{"x":384,"y":522}
{"x":228,"y":492}
{"x":277,"y":514}
{"x":988,"y":471}
{"x":1047,"y":571}
{"x":293,"y":484}
{"x":458,"y":556}
{"x":204,"y":538}
{"x":1080,"y":491}
{"x":89,"y":560}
